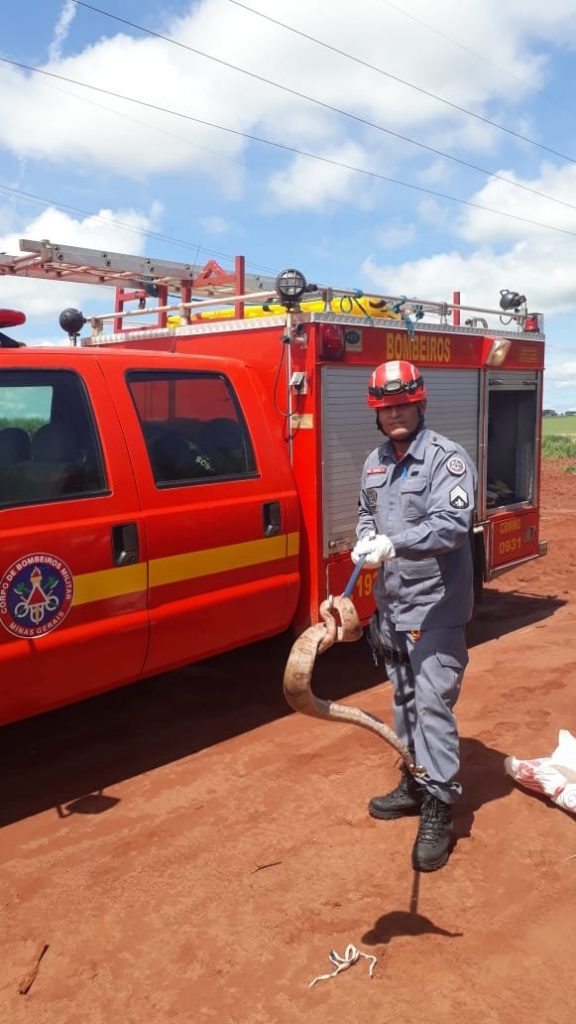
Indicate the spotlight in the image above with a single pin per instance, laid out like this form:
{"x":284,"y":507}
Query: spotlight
{"x":290,"y":285}
{"x":511,"y":300}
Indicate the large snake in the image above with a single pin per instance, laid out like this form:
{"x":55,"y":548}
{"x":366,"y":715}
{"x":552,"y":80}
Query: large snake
{"x":340,"y":624}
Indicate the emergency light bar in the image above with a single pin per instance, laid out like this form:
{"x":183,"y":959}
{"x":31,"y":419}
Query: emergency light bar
{"x":11,"y":318}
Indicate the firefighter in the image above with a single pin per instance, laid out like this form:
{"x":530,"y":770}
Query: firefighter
{"x":415,"y":517}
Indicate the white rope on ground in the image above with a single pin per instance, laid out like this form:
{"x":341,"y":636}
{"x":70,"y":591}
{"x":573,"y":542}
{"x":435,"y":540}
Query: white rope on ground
{"x":341,"y":963}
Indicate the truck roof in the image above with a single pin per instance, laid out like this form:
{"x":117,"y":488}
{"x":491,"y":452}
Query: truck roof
{"x":67,"y":355}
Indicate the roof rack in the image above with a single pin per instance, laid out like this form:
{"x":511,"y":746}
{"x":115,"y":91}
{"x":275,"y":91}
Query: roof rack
{"x":53,"y":262}
{"x":138,"y":278}
{"x":135,"y":278}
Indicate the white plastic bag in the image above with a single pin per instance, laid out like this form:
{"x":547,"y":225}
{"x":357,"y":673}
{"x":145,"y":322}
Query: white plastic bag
{"x":555,"y":776}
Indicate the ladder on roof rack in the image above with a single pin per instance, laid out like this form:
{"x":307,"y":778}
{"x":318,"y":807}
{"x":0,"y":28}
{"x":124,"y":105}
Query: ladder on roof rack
{"x":135,"y":278}
{"x":96,"y":266}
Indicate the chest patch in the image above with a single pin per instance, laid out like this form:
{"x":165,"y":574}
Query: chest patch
{"x":459,"y":497}
{"x":456,"y":466}
{"x":372,"y":495}
{"x":380,"y":470}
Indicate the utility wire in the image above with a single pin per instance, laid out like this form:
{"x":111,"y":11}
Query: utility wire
{"x":295,"y":150}
{"x":310,"y":99}
{"x":194,"y":145}
{"x":479,"y":56}
{"x":42,"y":201}
{"x":403,"y":81}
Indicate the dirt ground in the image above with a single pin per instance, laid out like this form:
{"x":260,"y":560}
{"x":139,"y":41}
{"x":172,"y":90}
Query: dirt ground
{"x":189,"y":850}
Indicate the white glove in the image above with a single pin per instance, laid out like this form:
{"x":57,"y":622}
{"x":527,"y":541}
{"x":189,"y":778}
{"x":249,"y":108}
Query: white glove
{"x":377,"y":547}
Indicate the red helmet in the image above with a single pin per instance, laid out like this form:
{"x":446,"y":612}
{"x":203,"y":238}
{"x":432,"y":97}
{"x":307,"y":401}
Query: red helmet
{"x":395,"y":383}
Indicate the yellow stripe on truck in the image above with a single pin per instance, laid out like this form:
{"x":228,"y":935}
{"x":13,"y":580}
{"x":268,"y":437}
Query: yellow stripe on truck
{"x":131,"y":579}
{"x":215,"y":560}
{"x":110,"y":583}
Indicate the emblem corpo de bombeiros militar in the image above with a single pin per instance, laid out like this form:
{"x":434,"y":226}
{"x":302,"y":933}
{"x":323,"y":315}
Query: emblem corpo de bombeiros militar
{"x":35,"y":595}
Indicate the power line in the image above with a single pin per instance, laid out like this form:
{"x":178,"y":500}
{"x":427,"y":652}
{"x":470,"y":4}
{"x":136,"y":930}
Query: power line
{"x":194,"y":145}
{"x":42,"y":201}
{"x":295,"y":150}
{"x":310,"y":99}
{"x":479,"y":56}
{"x":403,"y":81}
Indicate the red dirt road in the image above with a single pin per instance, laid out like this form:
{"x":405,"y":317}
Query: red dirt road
{"x":190,"y":851}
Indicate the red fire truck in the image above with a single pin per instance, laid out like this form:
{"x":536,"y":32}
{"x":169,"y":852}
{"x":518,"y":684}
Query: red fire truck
{"x":183,"y":478}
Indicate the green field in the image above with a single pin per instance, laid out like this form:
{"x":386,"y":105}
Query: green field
{"x":559,"y":437}
{"x":555,"y":425}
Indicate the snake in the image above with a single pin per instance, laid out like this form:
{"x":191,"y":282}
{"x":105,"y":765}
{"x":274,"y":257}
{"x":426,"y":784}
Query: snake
{"x":339,"y":623}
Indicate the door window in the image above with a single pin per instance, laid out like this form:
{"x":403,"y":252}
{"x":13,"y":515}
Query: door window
{"x":193,"y":427}
{"x":49,"y":447}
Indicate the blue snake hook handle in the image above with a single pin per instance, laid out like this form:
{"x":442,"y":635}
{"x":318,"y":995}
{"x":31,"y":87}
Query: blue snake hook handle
{"x":352,"y":581}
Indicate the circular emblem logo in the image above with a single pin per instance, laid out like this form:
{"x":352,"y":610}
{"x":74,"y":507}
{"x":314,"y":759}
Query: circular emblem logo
{"x":35,"y":595}
{"x":456,"y":466}
{"x":353,"y":339}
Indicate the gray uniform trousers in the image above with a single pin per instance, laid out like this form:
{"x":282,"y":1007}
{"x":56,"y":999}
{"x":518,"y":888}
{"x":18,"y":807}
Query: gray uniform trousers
{"x":426,"y":675}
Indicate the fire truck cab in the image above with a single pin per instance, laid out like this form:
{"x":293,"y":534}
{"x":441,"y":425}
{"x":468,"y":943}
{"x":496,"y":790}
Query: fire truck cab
{"x":187,"y":482}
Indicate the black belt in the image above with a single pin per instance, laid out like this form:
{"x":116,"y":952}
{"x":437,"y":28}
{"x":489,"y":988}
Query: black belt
{"x":398,"y":657}
{"x":380,"y":652}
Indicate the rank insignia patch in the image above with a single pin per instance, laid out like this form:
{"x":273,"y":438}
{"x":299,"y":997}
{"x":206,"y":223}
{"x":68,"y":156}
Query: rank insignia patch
{"x":459,"y":497}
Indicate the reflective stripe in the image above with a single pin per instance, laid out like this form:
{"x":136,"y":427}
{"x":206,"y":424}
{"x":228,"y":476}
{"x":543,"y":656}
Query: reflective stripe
{"x":215,"y":560}
{"x":111,"y":583}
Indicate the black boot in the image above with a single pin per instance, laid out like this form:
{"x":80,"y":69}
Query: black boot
{"x":434,"y":840}
{"x":403,"y":801}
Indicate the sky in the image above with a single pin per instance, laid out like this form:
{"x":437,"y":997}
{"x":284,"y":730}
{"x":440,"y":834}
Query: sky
{"x":395,"y":147}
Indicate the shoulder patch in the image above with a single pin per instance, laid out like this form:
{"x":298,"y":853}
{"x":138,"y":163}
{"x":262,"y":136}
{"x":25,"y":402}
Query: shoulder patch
{"x":459,"y":497}
{"x":456,"y":466}
{"x":372,"y":496}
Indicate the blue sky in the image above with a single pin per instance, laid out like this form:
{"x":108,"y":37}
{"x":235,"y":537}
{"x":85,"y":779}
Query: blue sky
{"x":114,"y":174}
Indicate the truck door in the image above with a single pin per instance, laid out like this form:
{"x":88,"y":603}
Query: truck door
{"x":513,"y":402}
{"x":73,"y":618}
{"x":219,"y":504}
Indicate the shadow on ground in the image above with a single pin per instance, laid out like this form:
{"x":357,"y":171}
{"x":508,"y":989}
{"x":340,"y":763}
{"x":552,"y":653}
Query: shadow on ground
{"x":502,"y":612}
{"x":69,"y":757}
{"x":483,"y":780}
{"x":82,"y":750}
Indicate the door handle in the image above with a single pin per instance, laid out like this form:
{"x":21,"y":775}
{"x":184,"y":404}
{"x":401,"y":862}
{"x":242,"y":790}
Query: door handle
{"x":125,"y":546}
{"x":271,"y":518}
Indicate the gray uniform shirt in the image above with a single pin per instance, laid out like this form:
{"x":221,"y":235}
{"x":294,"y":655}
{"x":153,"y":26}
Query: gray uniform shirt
{"x":425,"y":504}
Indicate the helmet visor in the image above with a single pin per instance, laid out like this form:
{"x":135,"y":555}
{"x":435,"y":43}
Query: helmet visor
{"x":396,"y":387}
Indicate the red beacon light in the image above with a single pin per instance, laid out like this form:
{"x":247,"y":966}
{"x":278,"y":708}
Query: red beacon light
{"x":532,"y":323}
{"x":11,"y":318}
{"x":332,"y":344}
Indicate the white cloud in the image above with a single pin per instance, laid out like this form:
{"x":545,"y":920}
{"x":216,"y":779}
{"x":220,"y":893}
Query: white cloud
{"x":546,"y":279}
{"x":324,"y":182}
{"x":86,"y":135}
{"x":559,"y":182}
{"x":61,"y":30}
{"x":45,"y":299}
{"x":500,"y":252}
{"x":562,"y":376}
